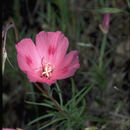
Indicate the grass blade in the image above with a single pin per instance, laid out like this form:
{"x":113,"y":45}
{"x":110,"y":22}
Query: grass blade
{"x":40,"y":104}
{"x":59,"y":93}
{"x":81,"y":97}
{"x":40,"y":118}
{"x":50,"y":123}
{"x":77,"y":95}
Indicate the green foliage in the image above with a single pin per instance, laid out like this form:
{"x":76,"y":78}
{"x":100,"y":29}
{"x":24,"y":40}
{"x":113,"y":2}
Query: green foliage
{"x":109,"y":10}
{"x":75,"y":110}
{"x":61,"y":15}
{"x":99,"y":68}
{"x":60,"y":18}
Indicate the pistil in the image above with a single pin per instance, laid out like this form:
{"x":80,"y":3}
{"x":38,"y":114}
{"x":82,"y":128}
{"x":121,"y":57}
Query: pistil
{"x":47,"y":69}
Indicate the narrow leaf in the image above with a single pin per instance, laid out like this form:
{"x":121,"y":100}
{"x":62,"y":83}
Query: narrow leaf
{"x":50,"y":123}
{"x":40,"y":118}
{"x":40,"y":104}
{"x":59,"y":93}
{"x":82,"y":96}
{"x":109,"y":10}
{"x":76,"y":96}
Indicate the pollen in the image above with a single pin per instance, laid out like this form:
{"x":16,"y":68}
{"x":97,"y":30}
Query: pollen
{"x":47,"y":69}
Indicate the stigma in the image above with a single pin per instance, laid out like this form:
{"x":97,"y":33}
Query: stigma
{"x":47,"y":69}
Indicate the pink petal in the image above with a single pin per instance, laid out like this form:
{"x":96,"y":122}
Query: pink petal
{"x":106,"y":21}
{"x":28,"y":58}
{"x":36,"y":78}
{"x":33,"y":77}
{"x":68,"y":67}
{"x":22,"y":63}
{"x":52,"y":46}
{"x":33,"y":72}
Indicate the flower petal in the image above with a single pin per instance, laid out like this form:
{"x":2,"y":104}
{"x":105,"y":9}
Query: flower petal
{"x":22,"y":63}
{"x":33,"y":77}
{"x":68,"y":67}
{"x":52,"y":46}
{"x":28,"y":58}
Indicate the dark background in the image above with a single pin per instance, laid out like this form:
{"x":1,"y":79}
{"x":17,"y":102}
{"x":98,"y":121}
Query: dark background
{"x":79,"y":21}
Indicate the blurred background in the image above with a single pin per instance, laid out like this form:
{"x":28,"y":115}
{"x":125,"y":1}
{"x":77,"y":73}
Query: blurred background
{"x":79,"y":20}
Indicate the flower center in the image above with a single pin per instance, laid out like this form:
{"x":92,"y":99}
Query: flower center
{"x":47,"y":69}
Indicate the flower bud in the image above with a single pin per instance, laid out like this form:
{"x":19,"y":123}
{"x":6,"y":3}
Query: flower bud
{"x":105,"y":23}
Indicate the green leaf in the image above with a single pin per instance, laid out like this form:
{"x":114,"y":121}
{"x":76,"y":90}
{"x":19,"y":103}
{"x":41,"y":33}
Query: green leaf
{"x":93,"y":63}
{"x":91,"y":128}
{"x":76,"y":96}
{"x":59,"y":93}
{"x":49,"y":102}
{"x":40,"y":118}
{"x":82,"y":108}
{"x":102,"y":50}
{"x":83,"y":94}
{"x":109,"y":10}
{"x":107,"y":64}
{"x":109,"y":51}
{"x":40,"y":104}
{"x":94,"y":119}
{"x":73,"y":92}
{"x":10,"y":63}
{"x":50,"y":123}
{"x":73,"y":87}
{"x":60,"y":124}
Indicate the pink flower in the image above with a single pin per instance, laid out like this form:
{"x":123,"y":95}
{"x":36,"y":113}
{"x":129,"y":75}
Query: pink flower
{"x":47,"y":61}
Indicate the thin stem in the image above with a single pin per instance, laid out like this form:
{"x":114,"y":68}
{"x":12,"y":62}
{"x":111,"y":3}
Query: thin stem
{"x":59,"y":92}
{"x":9,"y":25}
{"x":53,"y":100}
{"x":103,"y":45}
{"x":5,"y":33}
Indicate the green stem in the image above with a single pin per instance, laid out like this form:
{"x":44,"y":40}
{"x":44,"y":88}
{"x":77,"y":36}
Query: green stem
{"x":103,"y":45}
{"x":53,"y":100}
{"x":60,"y":95}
